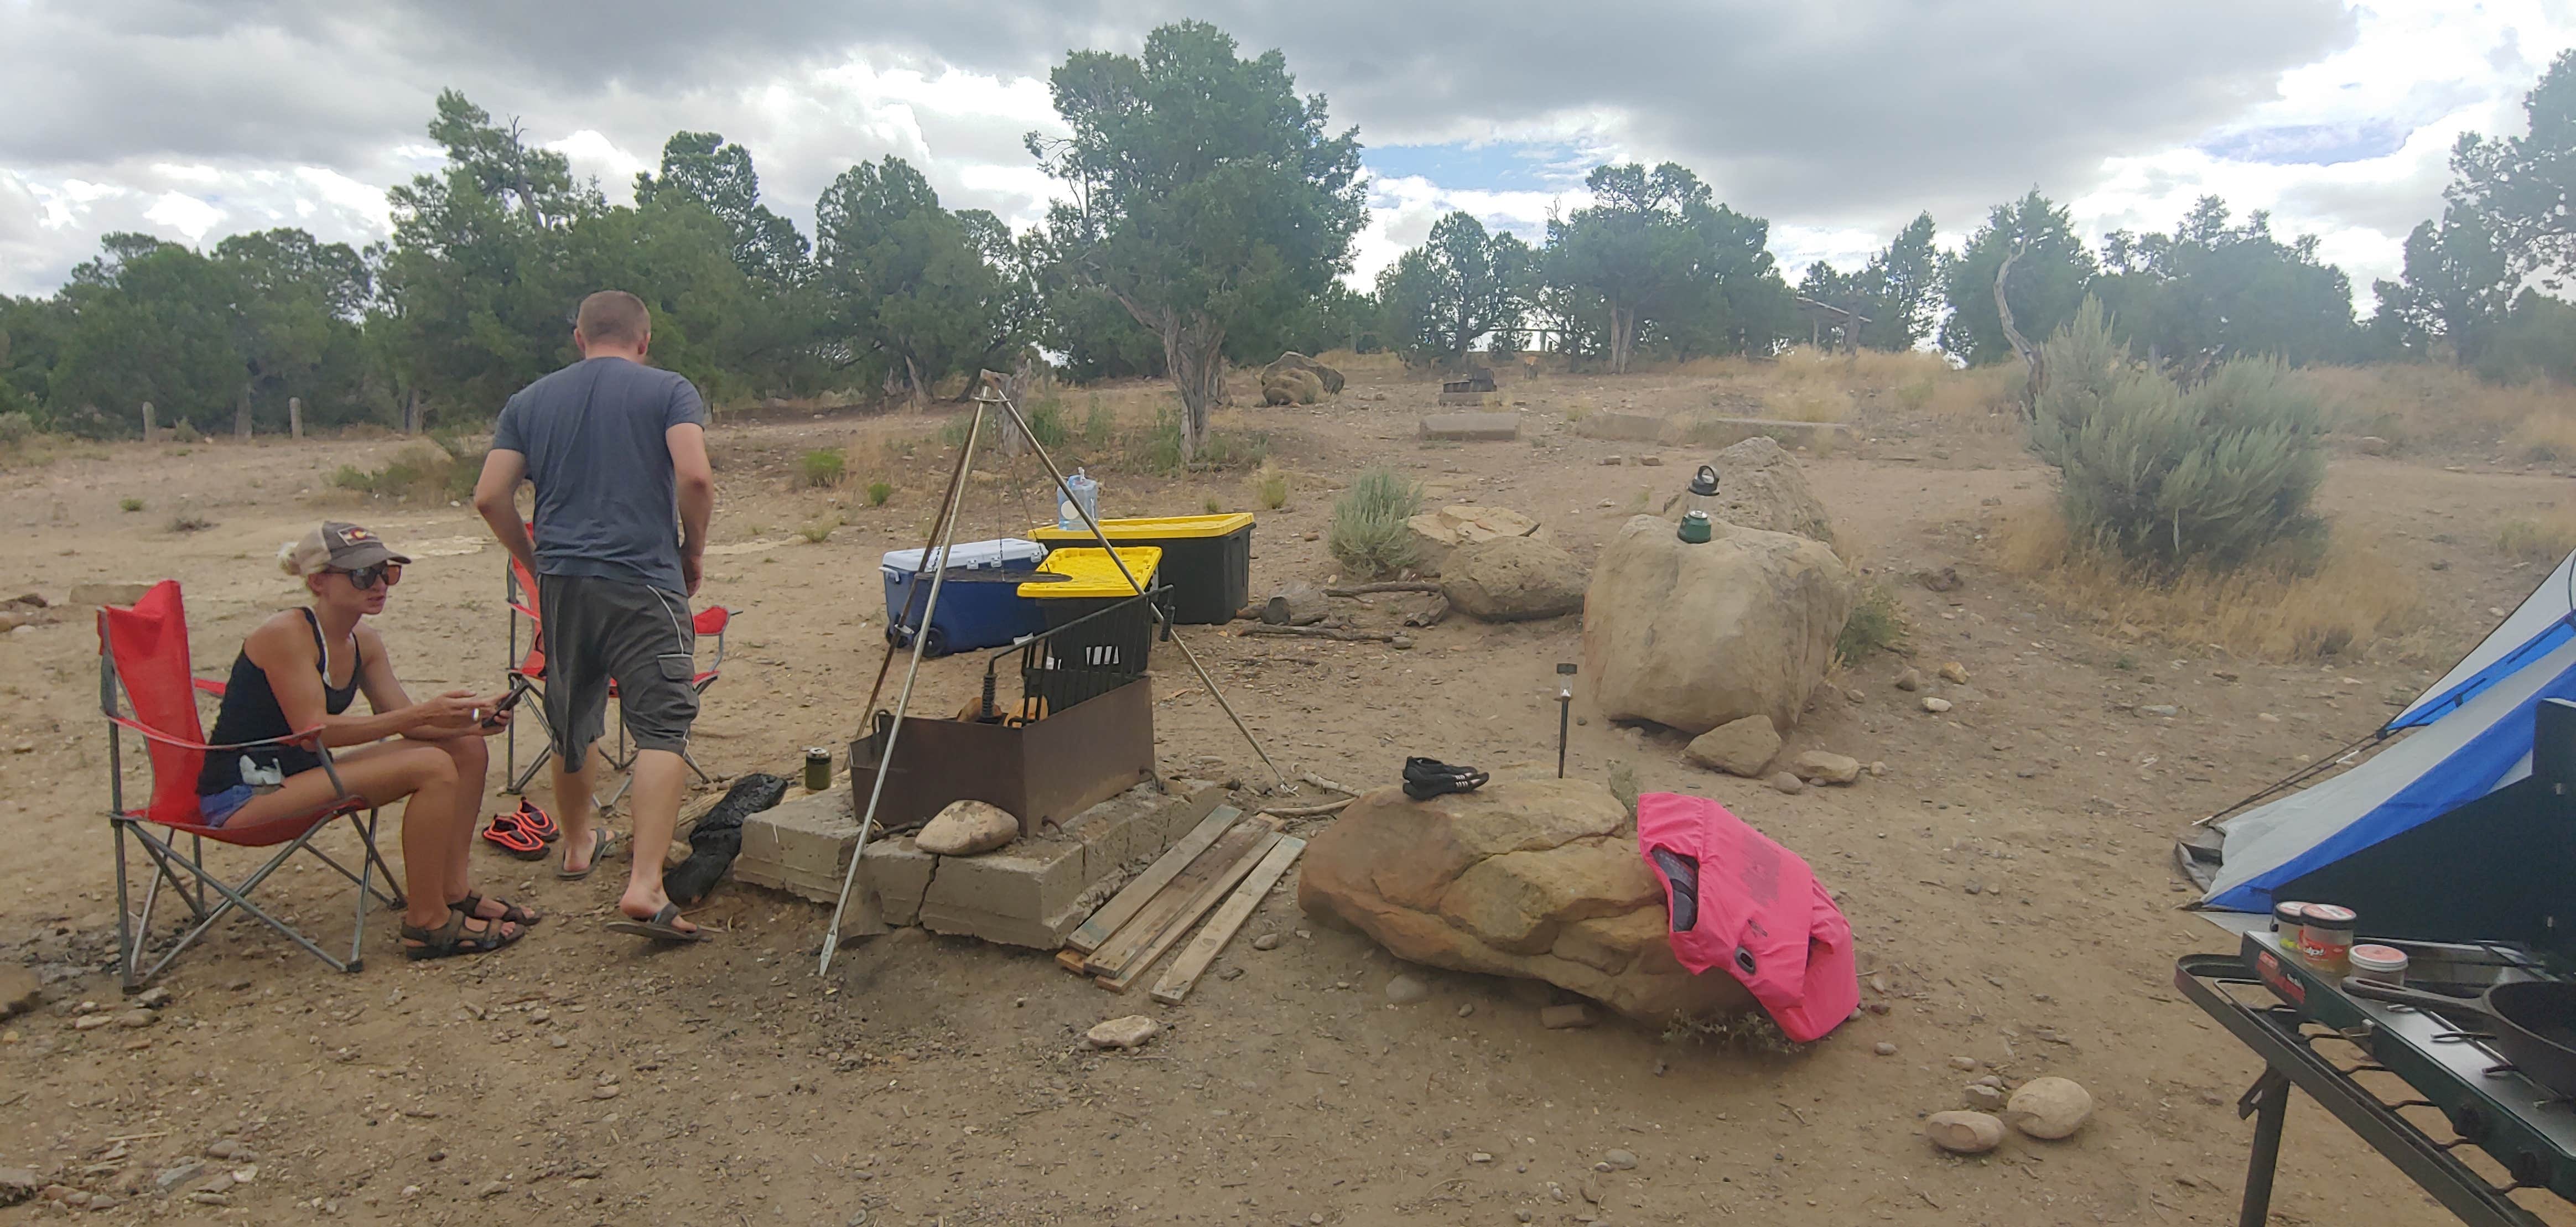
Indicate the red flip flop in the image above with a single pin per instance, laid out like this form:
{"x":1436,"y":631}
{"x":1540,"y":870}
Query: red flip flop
{"x":509,"y":833}
{"x":538,"y":822}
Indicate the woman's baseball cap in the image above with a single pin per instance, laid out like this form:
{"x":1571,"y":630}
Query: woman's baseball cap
{"x":336,"y":546}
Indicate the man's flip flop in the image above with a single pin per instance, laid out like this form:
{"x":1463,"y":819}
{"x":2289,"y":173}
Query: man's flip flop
{"x":508,"y":833}
{"x":659,"y":928}
{"x":599,"y":852}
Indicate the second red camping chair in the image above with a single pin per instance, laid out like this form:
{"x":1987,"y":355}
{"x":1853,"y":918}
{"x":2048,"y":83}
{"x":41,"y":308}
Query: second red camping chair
{"x":520,"y":589}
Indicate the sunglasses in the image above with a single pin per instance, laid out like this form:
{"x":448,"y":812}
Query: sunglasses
{"x":367,"y":577}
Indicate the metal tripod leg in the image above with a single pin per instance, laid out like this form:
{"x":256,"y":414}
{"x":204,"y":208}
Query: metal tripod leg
{"x":2269,"y":1104}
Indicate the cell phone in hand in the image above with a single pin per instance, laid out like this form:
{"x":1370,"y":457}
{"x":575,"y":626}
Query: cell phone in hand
{"x":519,"y":687}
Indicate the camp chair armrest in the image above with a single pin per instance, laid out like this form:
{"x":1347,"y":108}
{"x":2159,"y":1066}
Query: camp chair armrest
{"x":311,"y":737}
{"x":713,"y":621}
{"x":526,"y":611}
{"x":210,"y":686}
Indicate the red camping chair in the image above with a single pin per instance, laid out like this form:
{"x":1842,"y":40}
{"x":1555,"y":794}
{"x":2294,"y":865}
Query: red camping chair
{"x":143,"y":654}
{"x":520,"y":591}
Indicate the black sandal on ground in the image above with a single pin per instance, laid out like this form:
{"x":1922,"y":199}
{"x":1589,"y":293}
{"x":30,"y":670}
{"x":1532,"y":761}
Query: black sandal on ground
{"x":511,"y":913}
{"x":660,"y":928}
{"x":452,"y":939}
{"x":1425,"y":778}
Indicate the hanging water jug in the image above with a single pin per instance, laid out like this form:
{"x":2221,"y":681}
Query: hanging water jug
{"x":1703,"y":492}
{"x":1079,"y":509}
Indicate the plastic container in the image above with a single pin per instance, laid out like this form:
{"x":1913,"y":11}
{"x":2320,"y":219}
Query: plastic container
{"x":1086,"y":493}
{"x":970,"y":616}
{"x":2385,"y":964}
{"x":2325,"y":937}
{"x":2288,"y":917}
{"x":1116,"y":642}
{"x":1207,"y":560}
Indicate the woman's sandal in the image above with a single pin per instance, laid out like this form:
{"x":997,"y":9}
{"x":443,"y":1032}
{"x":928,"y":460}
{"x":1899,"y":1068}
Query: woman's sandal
{"x":536,"y":821}
{"x":452,"y":939}
{"x":509,"y":833}
{"x":511,"y":913}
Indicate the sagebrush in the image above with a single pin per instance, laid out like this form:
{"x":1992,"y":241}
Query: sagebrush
{"x":2166,"y":477}
{"x":1368,"y":533}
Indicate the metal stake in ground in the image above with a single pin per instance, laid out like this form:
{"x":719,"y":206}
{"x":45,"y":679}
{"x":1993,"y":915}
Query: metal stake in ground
{"x":1564,"y":712}
{"x":1064,"y":492}
{"x":920,"y":640}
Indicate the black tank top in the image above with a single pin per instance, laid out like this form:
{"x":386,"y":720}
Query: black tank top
{"x":250,"y":713}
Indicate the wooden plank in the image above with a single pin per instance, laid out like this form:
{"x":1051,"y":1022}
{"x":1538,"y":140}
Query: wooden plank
{"x":1112,"y":956}
{"x":1188,"y":916}
{"x":1133,"y":897}
{"x":1069,"y":959}
{"x":1228,"y":920}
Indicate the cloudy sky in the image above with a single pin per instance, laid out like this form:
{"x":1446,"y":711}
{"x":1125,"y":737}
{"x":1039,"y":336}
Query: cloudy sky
{"x":1838,"y":120}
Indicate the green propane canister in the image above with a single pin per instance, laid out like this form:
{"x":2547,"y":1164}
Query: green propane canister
{"x":818,"y":769}
{"x":1695,"y":527}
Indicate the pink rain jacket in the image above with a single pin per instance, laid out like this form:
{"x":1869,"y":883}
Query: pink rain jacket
{"x":1741,"y":902}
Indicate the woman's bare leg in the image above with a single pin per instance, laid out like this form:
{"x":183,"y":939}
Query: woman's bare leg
{"x":472,"y":762}
{"x":384,"y":774}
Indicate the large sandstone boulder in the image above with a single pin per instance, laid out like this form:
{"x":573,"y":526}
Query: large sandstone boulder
{"x":1531,"y":877}
{"x":1695,"y":636}
{"x":1326,"y":377}
{"x":1513,"y":579}
{"x":1759,"y":486}
{"x":1290,"y":387}
{"x":1437,"y":533}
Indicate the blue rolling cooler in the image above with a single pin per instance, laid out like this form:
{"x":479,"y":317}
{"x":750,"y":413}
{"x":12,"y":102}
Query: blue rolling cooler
{"x":971,"y":615}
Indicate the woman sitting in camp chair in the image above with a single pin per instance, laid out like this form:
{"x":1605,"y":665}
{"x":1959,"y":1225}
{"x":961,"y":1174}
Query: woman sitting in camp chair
{"x":302,"y":669}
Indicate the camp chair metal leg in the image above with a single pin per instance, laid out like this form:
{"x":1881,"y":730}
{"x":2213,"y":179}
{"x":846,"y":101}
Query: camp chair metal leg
{"x":238,"y":897}
{"x":520,"y":785}
{"x":124,"y":918}
{"x":703,"y":777}
{"x":393,"y":892}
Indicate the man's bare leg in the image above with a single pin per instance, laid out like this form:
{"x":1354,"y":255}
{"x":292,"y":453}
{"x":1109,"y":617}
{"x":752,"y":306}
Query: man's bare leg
{"x":657,"y":785}
{"x":574,"y":811}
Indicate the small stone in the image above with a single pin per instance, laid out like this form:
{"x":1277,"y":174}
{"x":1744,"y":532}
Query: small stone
{"x":2163,"y":711}
{"x":604,"y":1092}
{"x":1963,"y":1063}
{"x":966,"y":828}
{"x":223,"y":1148}
{"x":1620,"y":1161}
{"x":1955,"y":673}
{"x":1267,"y":941}
{"x":1480,"y":1157}
{"x":1825,"y":767}
{"x":1935,"y":705}
{"x":204,"y":1198}
{"x":2049,"y":1108}
{"x":1738,"y":747}
{"x":1401,"y":643}
{"x":1405,"y":990}
{"x":492,"y":1188}
{"x":1467,"y":1009}
{"x":1562,"y":1017}
{"x":1994,"y":1080}
{"x":1878,"y":768}
{"x":1521,"y":1216}
{"x":17,"y":1184}
{"x":558,"y":1041}
{"x":138,"y":1043}
{"x":1652,"y":462}
{"x":1964,"y":1133}
{"x":1788,"y":782}
{"x":1910,"y":679}
{"x":153,"y":998}
{"x":1611,"y":460}
{"x":92,"y":1022}
{"x":171,"y":1178}
{"x":1985,"y":1098}
{"x":1131,"y":1031}
{"x":2049,"y":1035}
{"x":137,"y":1018}
{"x":2267,"y":717}
{"x":1883,"y":1048}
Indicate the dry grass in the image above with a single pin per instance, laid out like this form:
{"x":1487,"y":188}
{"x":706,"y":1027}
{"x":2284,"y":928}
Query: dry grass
{"x":2544,"y":540}
{"x":2354,"y":604}
{"x":2548,"y":436}
{"x":2425,"y":407}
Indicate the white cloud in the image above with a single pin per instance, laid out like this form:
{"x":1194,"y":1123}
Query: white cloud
{"x":185,"y":214}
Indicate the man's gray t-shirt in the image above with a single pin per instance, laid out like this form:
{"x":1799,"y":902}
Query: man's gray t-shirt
{"x":594,"y":434}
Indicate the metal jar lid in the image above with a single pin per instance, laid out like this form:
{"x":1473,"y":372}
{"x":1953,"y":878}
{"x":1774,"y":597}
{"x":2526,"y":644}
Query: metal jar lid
{"x":2378,"y":958}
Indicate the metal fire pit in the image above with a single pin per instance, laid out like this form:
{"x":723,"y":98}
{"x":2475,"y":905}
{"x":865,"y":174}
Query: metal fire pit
{"x":1043,"y":772}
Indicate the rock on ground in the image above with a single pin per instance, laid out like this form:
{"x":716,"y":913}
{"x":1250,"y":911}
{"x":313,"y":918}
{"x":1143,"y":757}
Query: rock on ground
{"x":1788,"y":782}
{"x":1964,"y":1133}
{"x":1985,"y":1098}
{"x":1530,"y":877}
{"x":2049,"y":1107}
{"x":1825,"y":767}
{"x":1327,"y":377}
{"x":1291,"y":387}
{"x":1512,"y":579}
{"x":1759,"y":486}
{"x":966,"y":828}
{"x":1436,"y":533}
{"x":1131,"y":1031}
{"x":1693,"y":636}
{"x":1737,"y":747}
{"x":1405,"y":990}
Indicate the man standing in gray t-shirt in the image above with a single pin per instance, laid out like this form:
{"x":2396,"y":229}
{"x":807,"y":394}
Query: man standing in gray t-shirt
{"x":617,"y":451}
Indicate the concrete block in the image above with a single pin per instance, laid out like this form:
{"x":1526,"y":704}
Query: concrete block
{"x":1722,"y":433}
{"x":1625,"y":427}
{"x":801,"y":845}
{"x":1039,"y":878}
{"x":1472,"y":427}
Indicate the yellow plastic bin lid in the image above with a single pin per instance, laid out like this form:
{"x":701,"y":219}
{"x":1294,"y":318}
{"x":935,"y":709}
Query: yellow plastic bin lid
{"x":1153,"y":528}
{"x":1093,"y":575}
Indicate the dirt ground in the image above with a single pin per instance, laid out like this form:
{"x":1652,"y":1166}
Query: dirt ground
{"x":2008,"y":880}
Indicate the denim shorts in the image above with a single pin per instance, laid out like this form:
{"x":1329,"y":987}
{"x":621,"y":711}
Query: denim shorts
{"x":219,"y":807}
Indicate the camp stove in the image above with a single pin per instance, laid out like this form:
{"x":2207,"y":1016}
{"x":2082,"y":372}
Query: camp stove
{"x":2429,"y":1094}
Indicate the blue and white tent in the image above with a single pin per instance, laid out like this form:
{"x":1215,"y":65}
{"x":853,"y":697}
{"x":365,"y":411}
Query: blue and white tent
{"x":2465,"y":737}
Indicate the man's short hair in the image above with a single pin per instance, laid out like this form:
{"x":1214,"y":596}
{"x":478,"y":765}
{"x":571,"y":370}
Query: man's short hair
{"x":614,"y":317}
